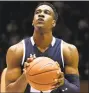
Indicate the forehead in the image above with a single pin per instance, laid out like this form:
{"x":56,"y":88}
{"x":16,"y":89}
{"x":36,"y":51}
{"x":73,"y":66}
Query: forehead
{"x":45,"y":7}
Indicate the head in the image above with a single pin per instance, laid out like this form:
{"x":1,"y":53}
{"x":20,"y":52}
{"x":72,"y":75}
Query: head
{"x":45,"y":16}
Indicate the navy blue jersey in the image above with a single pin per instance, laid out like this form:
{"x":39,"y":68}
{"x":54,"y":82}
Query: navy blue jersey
{"x":54,"y":52}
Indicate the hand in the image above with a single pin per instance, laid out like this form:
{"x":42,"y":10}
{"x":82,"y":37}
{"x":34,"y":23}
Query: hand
{"x":59,"y":81}
{"x":27,"y":63}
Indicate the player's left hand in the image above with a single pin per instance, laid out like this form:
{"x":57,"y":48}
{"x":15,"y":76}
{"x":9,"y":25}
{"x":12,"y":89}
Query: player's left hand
{"x":59,"y":81}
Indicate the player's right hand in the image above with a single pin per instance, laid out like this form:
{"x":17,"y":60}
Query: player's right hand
{"x":27,"y":63}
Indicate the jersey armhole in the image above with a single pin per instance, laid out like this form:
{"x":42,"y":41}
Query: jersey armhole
{"x":23,"y":58}
{"x":62,"y":53}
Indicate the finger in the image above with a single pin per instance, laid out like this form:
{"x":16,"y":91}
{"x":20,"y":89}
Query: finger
{"x":55,"y":82}
{"x":58,"y":74}
{"x":57,"y":64}
{"x":56,"y":85}
{"x":58,"y":81}
{"x":53,"y":87}
{"x":61,"y":74}
{"x":24,"y":70}
{"x":30,"y":59}
{"x":26,"y":65}
{"x":61,"y":81}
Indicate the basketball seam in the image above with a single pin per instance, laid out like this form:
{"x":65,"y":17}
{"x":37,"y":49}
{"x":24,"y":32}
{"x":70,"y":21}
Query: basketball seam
{"x":41,"y":84}
{"x":43,"y":72}
{"x":35,"y":64}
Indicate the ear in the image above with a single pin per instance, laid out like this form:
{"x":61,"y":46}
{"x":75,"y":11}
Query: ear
{"x":54,"y":23}
{"x":32,"y":22}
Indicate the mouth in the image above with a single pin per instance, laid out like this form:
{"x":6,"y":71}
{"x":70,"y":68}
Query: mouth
{"x":40,"y":20}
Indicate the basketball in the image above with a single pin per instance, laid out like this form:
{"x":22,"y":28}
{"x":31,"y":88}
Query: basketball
{"x":41,"y":73}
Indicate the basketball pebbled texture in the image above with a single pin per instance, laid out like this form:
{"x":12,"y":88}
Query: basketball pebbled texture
{"x":41,"y":73}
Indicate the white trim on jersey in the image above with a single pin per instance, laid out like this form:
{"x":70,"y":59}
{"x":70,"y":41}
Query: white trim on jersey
{"x":37,"y":91}
{"x":62,"y":52}
{"x":52,"y":43}
{"x":49,"y":91}
{"x":32,"y":41}
{"x":34,"y":90}
{"x":23,"y":52}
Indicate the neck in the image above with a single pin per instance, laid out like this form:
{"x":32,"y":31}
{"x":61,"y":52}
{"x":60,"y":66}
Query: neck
{"x":42,"y":38}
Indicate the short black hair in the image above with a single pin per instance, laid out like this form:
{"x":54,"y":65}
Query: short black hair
{"x":54,"y":9}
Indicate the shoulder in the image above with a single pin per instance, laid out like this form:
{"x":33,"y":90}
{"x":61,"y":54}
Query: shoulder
{"x":14,"y":53}
{"x":70,"y":47}
{"x":70,"y":53}
{"x":16,"y":48}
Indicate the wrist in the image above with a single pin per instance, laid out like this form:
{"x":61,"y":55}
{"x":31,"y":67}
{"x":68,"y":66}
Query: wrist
{"x":24,"y":77}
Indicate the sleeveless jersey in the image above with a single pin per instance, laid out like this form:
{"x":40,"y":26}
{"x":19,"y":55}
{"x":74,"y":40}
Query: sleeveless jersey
{"x":54,"y":52}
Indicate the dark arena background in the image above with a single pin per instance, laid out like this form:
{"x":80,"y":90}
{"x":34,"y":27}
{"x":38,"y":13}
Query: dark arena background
{"x":72,"y":26}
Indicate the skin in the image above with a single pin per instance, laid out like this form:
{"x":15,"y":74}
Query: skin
{"x":42,"y":36}
{"x":3,"y":81}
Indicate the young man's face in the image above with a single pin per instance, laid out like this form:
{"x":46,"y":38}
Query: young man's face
{"x":44,"y":17}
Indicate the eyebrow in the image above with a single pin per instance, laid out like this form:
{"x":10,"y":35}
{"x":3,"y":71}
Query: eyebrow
{"x":44,"y":10}
{"x":37,"y":9}
{"x":47,"y":10}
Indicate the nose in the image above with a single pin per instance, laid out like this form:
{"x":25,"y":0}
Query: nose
{"x":41,"y":15}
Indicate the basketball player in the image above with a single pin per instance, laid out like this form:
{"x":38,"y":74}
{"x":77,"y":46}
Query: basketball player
{"x":43,"y":43}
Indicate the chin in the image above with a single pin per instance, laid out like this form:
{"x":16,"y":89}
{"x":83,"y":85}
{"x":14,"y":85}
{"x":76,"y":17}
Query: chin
{"x":40,"y":26}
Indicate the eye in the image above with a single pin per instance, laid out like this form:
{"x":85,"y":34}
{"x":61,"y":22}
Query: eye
{"x":37,"y":11}
{"x":47,"y":12}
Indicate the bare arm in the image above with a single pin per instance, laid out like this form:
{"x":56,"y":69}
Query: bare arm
{"x":69,"y":82}
{"x":15,"y":80}
{"x":71,"y":58}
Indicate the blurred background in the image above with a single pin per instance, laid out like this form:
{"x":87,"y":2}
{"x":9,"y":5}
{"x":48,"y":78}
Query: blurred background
{"x":72,"y":26}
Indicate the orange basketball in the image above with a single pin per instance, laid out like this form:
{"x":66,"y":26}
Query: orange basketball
{"x":41,"y":73}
